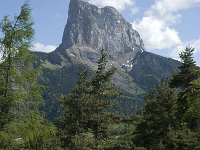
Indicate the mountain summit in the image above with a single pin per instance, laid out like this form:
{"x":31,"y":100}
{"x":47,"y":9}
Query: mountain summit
{"x":95,"y":27}
{"x":90,"y":29}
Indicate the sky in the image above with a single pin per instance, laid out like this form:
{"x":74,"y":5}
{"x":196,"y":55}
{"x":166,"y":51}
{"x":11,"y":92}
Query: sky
{"x":166,"y":26}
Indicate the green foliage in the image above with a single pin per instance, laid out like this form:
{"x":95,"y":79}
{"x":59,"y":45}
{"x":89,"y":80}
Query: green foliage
{"x":33,"y":131}
{"x":17,"y":37}
{"x":6,"y":141}
{"x":22,"y":125}
{"x":84,"y":109}
{"x":150,"y":69}
{"x":187,"y":82}
{"x":188,"y":71}
{"x":158,"y":116}
{"x":170,"y":119}
{"x":13,"y":41}
{"x":192,"y":109}
{"x":182,"y":139}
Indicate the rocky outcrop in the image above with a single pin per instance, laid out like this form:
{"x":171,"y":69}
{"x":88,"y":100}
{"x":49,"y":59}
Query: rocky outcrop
{"x":95,"y":27}
{"x":91,"y":27}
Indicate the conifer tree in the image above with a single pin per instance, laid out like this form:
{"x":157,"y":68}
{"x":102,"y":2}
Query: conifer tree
{"x":191,"y":114}
{"x":22,"y":125}
{"x":183,"y":81}
{"x":86,"y":119}
{"x":188,"y":71}
{"x":157,"y":117}
{"x":171,"y":116}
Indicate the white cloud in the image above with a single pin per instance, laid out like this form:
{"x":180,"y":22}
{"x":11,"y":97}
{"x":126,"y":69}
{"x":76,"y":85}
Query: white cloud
{"x":156,"y":27}
{"x":194,"y":43}
{"x":118,"y":4}
{"x":155,"y":34}
{"x":43,"y":48}
{"x":169,"y":11}
{"x":164,"y":7}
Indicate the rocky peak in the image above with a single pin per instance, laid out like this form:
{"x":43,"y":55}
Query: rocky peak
{"x":97,"y":28}
{"x":88,"y":29}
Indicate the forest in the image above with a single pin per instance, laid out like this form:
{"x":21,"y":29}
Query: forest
{"x":170,"y":119}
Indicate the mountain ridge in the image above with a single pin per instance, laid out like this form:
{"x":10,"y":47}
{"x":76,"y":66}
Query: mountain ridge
{"x":89,"y":29}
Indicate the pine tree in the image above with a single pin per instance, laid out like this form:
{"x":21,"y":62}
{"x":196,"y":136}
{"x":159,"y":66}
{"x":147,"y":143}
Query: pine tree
{"x":171,"y":116}
{"x":157,"y":117}
{"x":188,"y":71}
{"x":184,"y":82}
{"x":103,"y":92}
{"x":86,"y":119}
{"x":22,"y":125}
{"x":182,"y":139}
{"x":191,"y":115}
{"x":72,"y":121}
{"x":17,"y":36}
{"x":186,"y":134}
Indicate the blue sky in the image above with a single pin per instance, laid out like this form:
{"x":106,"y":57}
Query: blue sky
{"x":165,"y":26}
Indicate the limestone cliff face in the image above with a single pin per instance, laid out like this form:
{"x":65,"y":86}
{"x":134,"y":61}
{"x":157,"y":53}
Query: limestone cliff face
{"x":95,"y":27}
{"x":90,"y":28}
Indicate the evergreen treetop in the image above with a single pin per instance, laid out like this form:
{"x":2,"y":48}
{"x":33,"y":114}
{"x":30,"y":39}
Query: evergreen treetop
{"x":188,"y":71}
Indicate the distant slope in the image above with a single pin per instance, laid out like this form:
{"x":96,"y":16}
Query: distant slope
{"x":89,"y":29}
{"x":150,"y":68}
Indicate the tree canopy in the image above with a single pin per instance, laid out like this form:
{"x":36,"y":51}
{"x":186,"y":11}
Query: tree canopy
{"x":22,"y":124}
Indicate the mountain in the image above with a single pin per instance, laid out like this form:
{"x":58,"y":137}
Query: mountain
{"x":95,"y":27}
{"x":89,"y":29}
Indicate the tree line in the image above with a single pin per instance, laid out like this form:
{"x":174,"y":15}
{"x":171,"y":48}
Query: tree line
{"x":170,"y":119}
